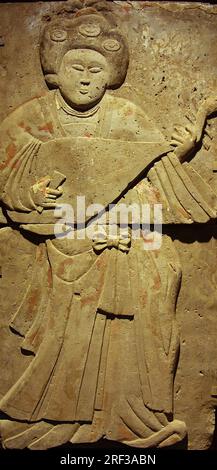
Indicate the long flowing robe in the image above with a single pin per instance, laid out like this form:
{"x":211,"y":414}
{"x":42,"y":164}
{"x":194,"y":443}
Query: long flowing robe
{"x":100,"y":326}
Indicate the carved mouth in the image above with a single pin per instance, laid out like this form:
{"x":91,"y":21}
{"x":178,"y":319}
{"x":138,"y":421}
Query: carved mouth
{"x":83,"y":92}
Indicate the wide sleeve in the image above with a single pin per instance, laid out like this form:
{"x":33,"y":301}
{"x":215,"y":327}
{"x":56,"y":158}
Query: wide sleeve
{"x":185,"y":195}
{"x":21,"y":136}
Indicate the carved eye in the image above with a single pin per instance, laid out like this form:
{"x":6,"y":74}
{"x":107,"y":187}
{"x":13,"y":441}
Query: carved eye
{"x":95,"y":69}
{"x":78,"y":67}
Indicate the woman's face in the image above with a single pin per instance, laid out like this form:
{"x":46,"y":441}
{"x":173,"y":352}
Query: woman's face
{"x":83,"y":78}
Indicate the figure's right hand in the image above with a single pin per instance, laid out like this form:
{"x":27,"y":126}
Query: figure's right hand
{"x":43,"y":196}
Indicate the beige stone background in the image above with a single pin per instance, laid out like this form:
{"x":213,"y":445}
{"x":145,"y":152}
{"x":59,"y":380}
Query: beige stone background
{"x":173,"y":68}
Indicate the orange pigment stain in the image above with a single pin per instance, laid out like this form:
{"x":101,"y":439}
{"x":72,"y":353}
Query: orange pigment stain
{"x":90,"y":298}
{"x":124,"y":432}
{"x":49,"y":277}
{"x":33,"y":300}
{"x":11,"y":152}
{"x":15,"y":165}
{"x":24,"y":126}
{"x":147,"y":240}
{"x":157,"y":195}
{"x":157,"y":282}
{"x":128,"y":112}
{"x":47,"y":127}
{"x":101,"y":262}
{"x":126,"y":8}
{"x":63,"y":266}
{"x":88,"y":135}
{"x":39,"y":253}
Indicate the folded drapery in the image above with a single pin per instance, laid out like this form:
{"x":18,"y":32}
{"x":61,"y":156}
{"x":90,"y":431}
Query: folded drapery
{"x":186,"y":196}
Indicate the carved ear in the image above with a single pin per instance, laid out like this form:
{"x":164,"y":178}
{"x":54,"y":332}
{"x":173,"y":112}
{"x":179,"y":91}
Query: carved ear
{"x":52,"y":80}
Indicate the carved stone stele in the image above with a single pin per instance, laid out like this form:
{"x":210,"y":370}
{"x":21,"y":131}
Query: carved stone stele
{"x":94,"y":297}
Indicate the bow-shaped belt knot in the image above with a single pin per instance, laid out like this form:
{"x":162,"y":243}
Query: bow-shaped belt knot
{"x":121,"y":242}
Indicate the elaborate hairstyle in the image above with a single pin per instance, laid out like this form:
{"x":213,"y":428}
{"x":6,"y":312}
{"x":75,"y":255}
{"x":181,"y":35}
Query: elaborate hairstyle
{"x":84,"y":25}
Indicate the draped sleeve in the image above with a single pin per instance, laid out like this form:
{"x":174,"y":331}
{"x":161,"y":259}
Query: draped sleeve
{"x":21,"y":136}
{"x":186,"y":196}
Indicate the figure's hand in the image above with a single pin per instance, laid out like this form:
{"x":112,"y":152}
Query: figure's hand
{"x":43,"y":196}
{"x":184,"y":139}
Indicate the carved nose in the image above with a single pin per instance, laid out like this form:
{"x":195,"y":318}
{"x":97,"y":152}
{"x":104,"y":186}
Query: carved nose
{"x":85,"y":81}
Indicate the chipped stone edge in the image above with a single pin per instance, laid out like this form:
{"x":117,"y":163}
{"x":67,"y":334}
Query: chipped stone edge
{"x":170,"y":6}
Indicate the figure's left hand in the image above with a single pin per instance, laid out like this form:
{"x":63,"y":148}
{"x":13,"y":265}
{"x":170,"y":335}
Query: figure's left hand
{"x":184,"y":140}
